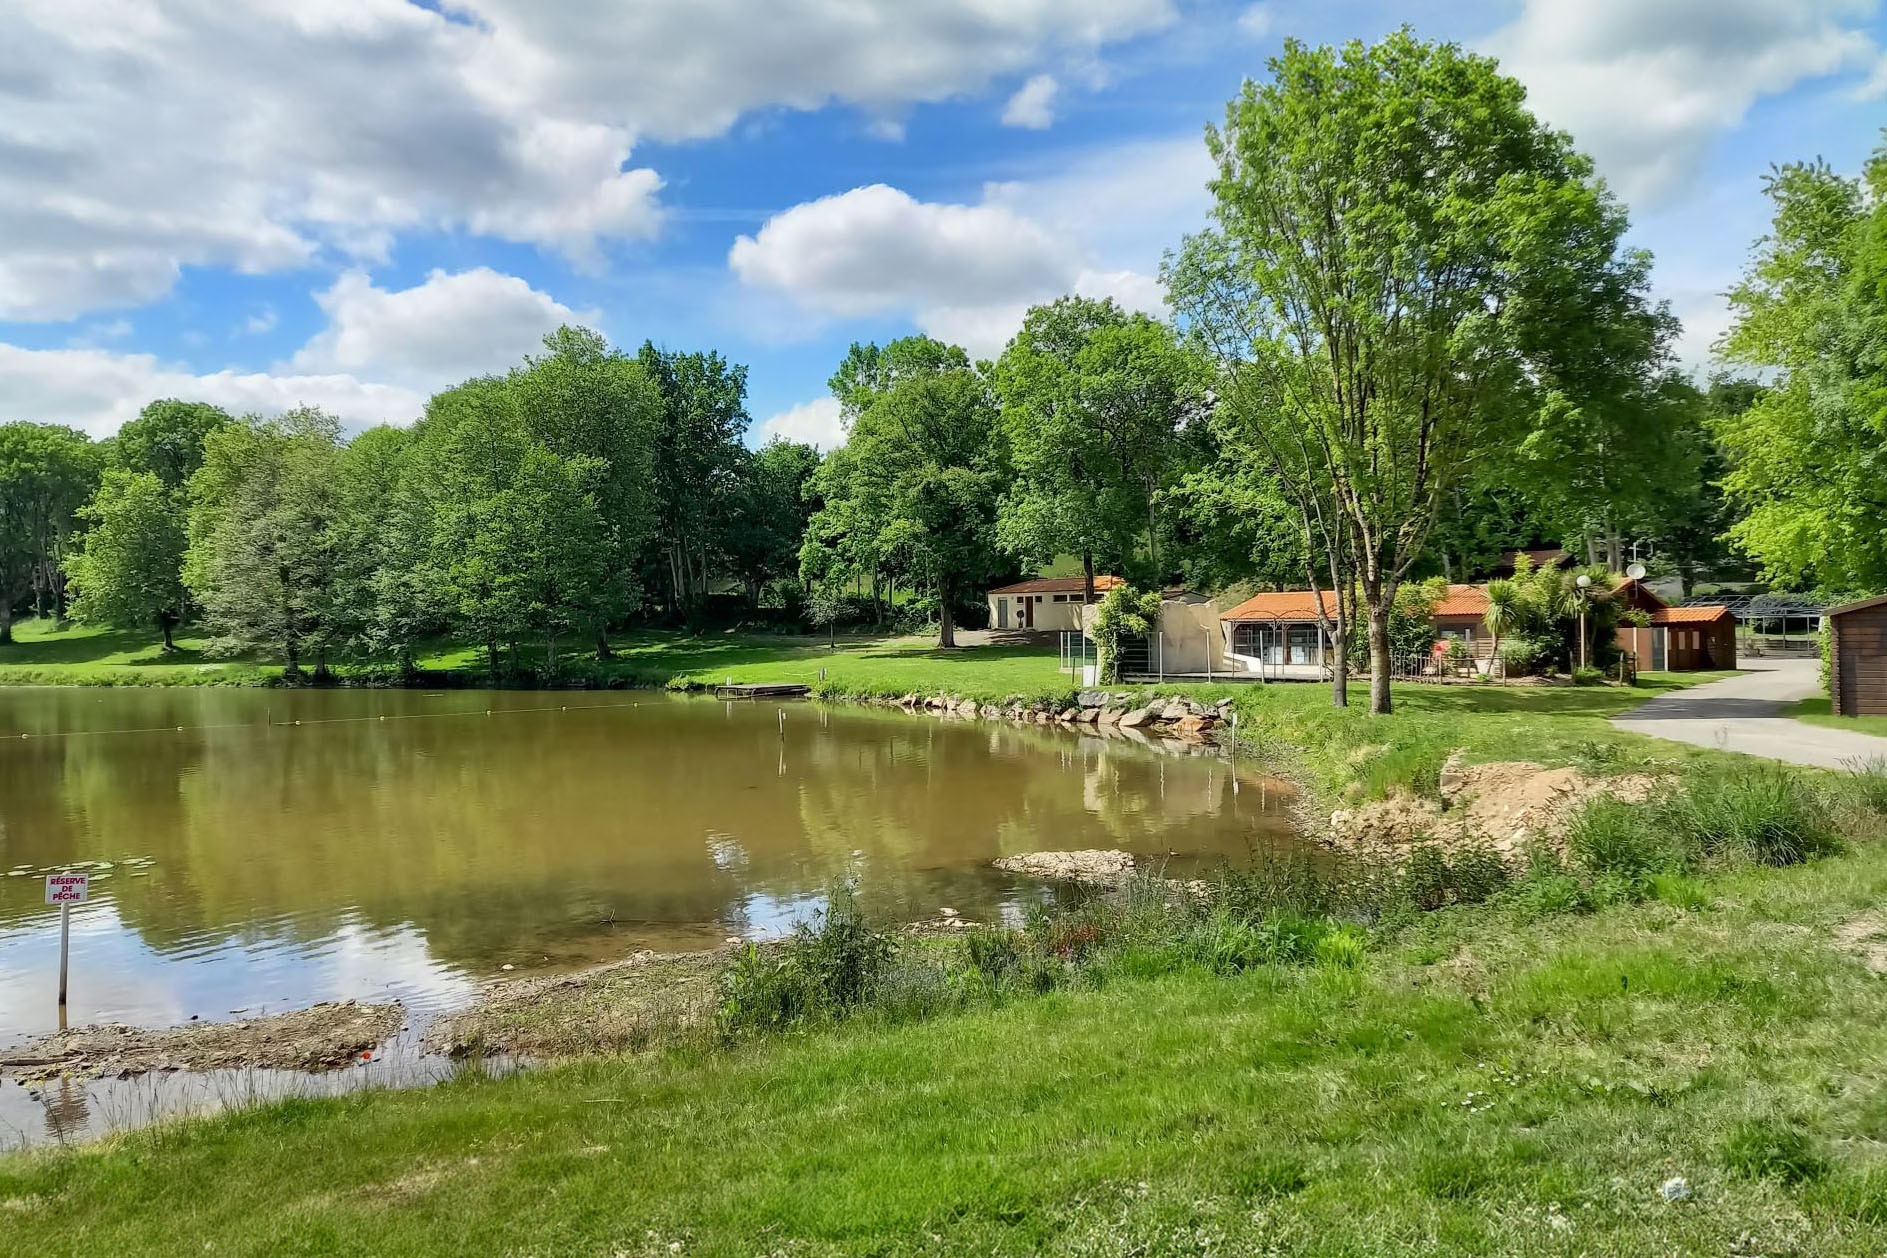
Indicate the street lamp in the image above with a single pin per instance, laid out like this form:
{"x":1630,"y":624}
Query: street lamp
{"x":1584,"y":582}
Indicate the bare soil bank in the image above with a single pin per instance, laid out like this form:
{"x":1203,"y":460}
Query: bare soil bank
{"x":323,"y":1037}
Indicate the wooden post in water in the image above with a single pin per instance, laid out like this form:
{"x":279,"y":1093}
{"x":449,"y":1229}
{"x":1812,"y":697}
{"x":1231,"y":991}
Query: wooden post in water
{"x":65,"y":946}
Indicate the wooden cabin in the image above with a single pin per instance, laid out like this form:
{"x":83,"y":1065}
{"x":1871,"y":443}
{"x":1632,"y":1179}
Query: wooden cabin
{"x":1857,"y":657}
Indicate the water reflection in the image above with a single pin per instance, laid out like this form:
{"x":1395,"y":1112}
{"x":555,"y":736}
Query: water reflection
{"x":401,"y":844}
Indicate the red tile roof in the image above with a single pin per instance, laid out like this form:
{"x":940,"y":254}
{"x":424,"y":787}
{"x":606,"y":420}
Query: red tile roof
{"x":1461,"y":600}
{"x":1058,"y":585}
{"x":1282,"y":605}
{"x":1689,"y":615}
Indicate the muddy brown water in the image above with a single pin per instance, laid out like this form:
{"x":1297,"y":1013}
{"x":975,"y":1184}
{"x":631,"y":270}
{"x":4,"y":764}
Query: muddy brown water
{"x":255,"y":850}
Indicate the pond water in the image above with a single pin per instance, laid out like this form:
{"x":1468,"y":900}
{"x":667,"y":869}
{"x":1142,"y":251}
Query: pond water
{"x":256,"y":850}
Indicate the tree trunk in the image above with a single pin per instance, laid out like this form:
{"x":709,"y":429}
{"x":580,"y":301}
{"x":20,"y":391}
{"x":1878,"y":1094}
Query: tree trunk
{"x":550,"y":657}
{"x":491,"y":659}
{"x":6,"y":618}
{"x":946,"y":626}
{"x":1380,"y":703}
{"x":292,"y":654}
{"x":1153,"y":542}
{"x":602,"y":644}
{"x":1087,"y":571}
{"x":164,"y":623}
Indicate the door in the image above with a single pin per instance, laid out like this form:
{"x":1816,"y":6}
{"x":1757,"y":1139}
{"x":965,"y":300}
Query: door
{"x":1002,"y":613}
{"x":1026,"y":610}
{"x":1658,"y":649}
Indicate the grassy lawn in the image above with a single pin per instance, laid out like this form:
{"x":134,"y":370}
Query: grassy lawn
{"x":1819,"y":712}
{"x":1485,"y":1083}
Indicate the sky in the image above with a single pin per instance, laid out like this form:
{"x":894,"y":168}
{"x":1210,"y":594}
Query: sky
{"x":355,"y":203}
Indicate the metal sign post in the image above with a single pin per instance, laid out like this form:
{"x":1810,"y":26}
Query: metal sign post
{"x":66,"y":890}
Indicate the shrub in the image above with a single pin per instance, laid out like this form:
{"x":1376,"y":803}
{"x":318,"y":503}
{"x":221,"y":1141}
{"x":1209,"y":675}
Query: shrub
{"x":826,"y":970}
{"x":1771,"y":1148}
{"x":1521,"y":657}
{"x":1433,"y":879}
{"x":993,"y":951}
{"x":1865,"y":786}
{"x":1769,"y":816}
{"x":1342,"y":947}
{"x":1633,"y":840}
{"x":909,"y":991}
{"x":1588,"y":676}
{"x":1547,"y":888}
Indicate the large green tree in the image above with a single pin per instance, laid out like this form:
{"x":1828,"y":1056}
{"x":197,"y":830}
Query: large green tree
{"x":1093,"y":399}
{"x":697,"y":451}
{"x":128,"y":570}
{"x":166,"y":439}
{"x":770,"y":508}
{"x":1408,"y":274}
{"x":1809,"y":454}
{"x":263,"y":559}
{"x":46,"y":474}
{"x":916,"y":486}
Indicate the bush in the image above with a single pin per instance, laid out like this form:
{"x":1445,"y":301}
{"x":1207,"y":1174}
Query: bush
{"x":826,"y":970}
{"x":1522,"y":657}
{"x":1588,"y":676}
{"x":1769,"y":816}
{"x":1632,"y":840}
{"x":1865,"y":787}
{"x":1433,"y":879}
{"x":993,"y":951}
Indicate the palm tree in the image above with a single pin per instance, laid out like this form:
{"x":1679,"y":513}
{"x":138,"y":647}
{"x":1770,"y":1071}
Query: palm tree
{"x":1503,"y":611}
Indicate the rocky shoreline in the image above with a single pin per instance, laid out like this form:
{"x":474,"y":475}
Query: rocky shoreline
{"x":1098,"y":709}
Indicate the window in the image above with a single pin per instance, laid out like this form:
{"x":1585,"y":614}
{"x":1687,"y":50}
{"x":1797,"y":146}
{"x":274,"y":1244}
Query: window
{"x":1061,"y":598}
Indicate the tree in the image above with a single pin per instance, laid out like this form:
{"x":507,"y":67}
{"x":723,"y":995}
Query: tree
{"x":1092,"y":402}
{"x":916,"y":487}
{"x":1408,"y":275}
{"x":1808,"y":455}
{"x":602,"y":412}
{"x":46,"y":474}
{"x":770,"y":509}
{"x":166,"y":439}
{"x":128,"y":570}
{"x":262,"y":559}
{"x":697,"y":446}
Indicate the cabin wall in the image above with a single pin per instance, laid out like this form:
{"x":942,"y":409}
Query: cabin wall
{"x":1857,"y":660}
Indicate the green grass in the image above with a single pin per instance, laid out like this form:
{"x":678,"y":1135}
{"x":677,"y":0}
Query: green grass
{"x":1820,"y":712}
{"x":1484,"y":1083}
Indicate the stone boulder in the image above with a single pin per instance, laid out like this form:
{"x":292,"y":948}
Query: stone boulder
{"x":1136,"y":718}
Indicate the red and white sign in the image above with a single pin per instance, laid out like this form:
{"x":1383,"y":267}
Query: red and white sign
{"x":67,"y":888}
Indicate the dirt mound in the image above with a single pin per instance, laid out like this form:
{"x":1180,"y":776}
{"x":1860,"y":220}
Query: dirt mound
{"x":1507,"y":805}
{"x":1095,"y":867}
{"x":319,"y":1038}
{"x":1865,"y":938}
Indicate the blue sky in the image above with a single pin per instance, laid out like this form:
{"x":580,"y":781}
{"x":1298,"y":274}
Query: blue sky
{"x":356,"y":203}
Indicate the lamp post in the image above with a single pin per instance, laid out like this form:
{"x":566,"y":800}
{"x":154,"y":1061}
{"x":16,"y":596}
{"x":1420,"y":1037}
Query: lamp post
{"x":1584,"y":583}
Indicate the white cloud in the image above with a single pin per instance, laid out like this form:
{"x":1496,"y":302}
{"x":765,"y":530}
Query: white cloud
{"x":447,"y":329}
{"x":1256,"y":22}
{"x":261,"y":322}
{"x":98,"y":390}
{"x":1648,"y":86}
{"x":876,"y":248}
{"x":815,"y":423}
{"x":138,"y":137}
{"x":967,"y":273}
{"x":379,"y":356}
{"x":1033,"y":105}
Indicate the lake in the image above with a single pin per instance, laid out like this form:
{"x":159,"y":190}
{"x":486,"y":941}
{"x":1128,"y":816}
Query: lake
{"x":255,"y":850}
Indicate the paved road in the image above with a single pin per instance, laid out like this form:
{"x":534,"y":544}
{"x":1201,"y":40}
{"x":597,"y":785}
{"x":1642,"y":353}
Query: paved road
{"x":1748,"y":714}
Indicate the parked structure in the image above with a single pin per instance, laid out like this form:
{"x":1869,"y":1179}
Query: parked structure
{"x":1675,"y":639}
{"x":1279,"y":630}
{"x":1044,"y":604}
{"x":1857,"y":657}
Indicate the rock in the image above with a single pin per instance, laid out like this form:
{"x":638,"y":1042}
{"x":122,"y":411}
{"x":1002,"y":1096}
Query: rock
{"x":1108,"y":716}
{"x":1136,"y":718}
{"x":989,"y":712}
{"x":1092,"y":698}
{"x":1070,"y":715}
{"x":1089,"y":716}
{"x":1194,"y":724}
{"x":1174,"y":710}
{"x":1452,"y":779}
{"x":1096,"y":867}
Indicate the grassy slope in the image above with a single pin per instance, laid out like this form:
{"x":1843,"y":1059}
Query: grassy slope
{"x":1486,"y":1085}
{"x":1820,"y":712}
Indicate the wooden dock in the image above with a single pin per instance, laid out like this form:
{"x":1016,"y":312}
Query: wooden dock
{"x":762,"y":690}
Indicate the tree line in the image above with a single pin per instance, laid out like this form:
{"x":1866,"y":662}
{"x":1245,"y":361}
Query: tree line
{"x":1410,"y":338}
